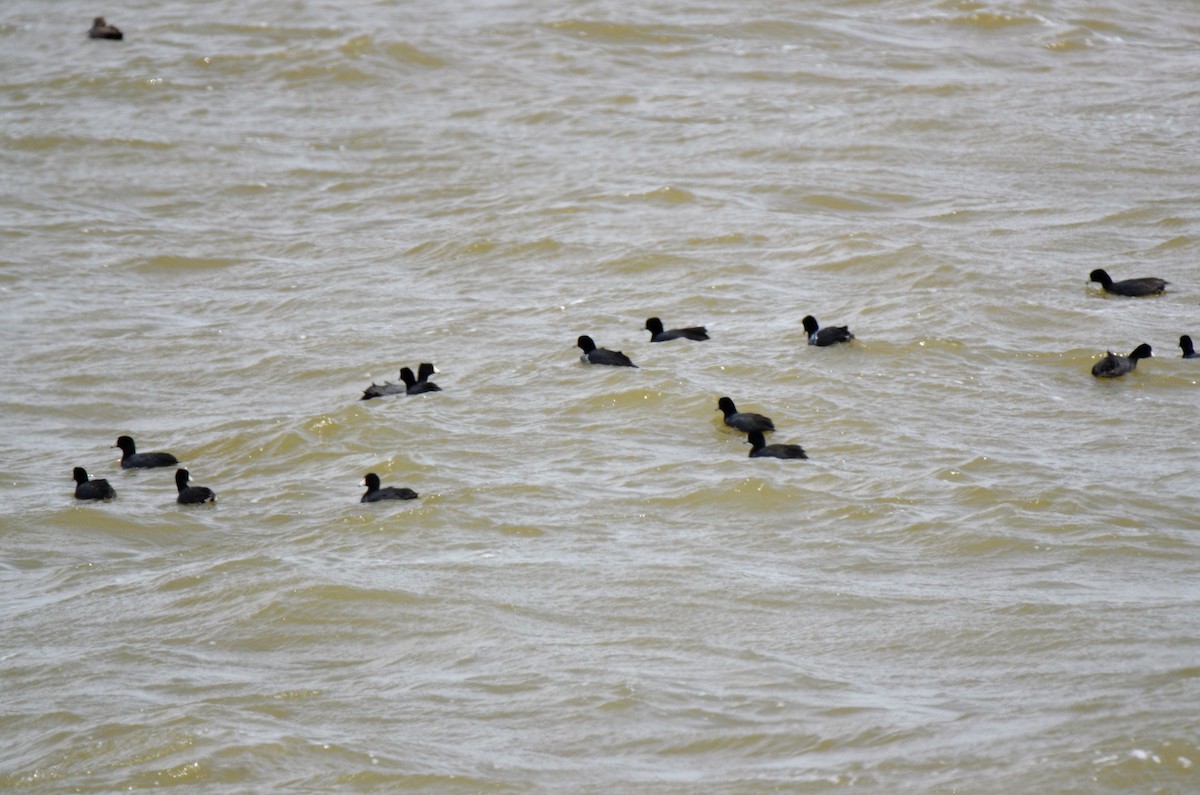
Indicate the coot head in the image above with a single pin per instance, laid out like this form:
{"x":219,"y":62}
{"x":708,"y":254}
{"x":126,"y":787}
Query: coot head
{"x":1185,"y":344}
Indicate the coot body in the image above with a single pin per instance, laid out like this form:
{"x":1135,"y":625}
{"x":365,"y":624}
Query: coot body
{"x":1114,"y":366}
{"x":191,"y":495}
{"x":760,"y":449}
{"x":594,"y":355}
{"x":658,"y":334}
{"x":824,"y":337}
{"x":132,"y":459}
{"x":1146,"y":285}
{"x":376,"y":494}
{"x":102,"y":30}
{"x":743,"y":420}
{"x":98,"y":489}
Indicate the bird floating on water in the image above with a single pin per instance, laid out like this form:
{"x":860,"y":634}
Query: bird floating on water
{"x":1146,"y":285}
{"x":760,"y":449}
{"x":743,"y":420}
{"x":420,"y":383}
{"x":411,"y":385}
{"x":98,"y":489}
{"x":376,"y":494}
{"x":102,"y":30}
{"x":191,"y":495}
{"x":824,"y":337}
{"x":132,"y":459}
{"x":594,"y":355}
{"x":657,"y":334}
{"x":1114,"y":366}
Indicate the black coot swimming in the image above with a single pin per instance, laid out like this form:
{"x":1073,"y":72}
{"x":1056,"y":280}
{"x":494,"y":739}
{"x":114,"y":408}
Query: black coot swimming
{"x":98,"y":489}
{"x":1185,"y":344}
{"x":102,"y":30}
{"x":594,"y":355}
{"x":823,"y":337}
{"x":760,"y":449}
{"x":420,"y":383}
{"x":1146,"y":285}
{"x":655,"y":327}
{"x":191,"y":495}
{"x":376,"y":494}
{"x":743,"y":421}
{"x":132,"y":459}
{"x":411,"y":385}
{"x":1113,"y":366}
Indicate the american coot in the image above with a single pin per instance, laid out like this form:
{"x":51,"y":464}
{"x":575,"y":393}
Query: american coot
{"x":375,"y":494}
{"x":743,"y":421}
{"x":132,"y":459}
{"x":1112,"y":365}
{"x":191,"y":495}
{"x":421,"y":383}
{"x":412,"y":385}
{"x":823,"y":337}
{"x":760,"y":449}
{"x":98,"y":489}
{"x":102,"y":30}
{"x":1185,"y":344}
{"x":1147,"y":285}
{"x":594,"y":355}
{"x":655,"y":327}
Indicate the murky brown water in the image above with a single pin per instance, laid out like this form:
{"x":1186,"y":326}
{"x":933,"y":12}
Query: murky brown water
{"x":215,"y":234}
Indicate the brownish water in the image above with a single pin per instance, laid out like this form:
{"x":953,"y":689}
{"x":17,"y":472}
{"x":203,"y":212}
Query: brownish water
{"x":215,"y":234}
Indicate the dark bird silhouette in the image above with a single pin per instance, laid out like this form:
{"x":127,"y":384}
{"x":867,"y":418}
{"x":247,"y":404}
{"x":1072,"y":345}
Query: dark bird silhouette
{"x":376,"y":494}
{"x":594,"y":355}
{"x":655,"y":327}
{"x":97,"y":489}
{"x":823,"y":337}
{"x":411,"y":385}
{"x":1185,"y":344}
{"x":191,"y":495}
{"x":760,"y":449}
{"x":416,"y":385}
{"x":132,"y":459}
{"x":1147,"y":285}
{"x":1113,"y":366}
{"x":102,"y":30}
{"x":743,"y":421}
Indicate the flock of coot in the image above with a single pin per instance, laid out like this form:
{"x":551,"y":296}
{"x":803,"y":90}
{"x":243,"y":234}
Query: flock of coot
{"x":1114,"y":365}
{"x":753,"y":425}
{"x":101,"y":489}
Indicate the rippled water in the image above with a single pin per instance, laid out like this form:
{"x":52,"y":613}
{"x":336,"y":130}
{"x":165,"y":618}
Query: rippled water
{"x":216,"y":233}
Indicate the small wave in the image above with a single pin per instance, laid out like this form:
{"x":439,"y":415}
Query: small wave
{"x":995,"y":20}
{"x":619,"y":33}
{"x":665,"y":195}
{"x":174,"y":263}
